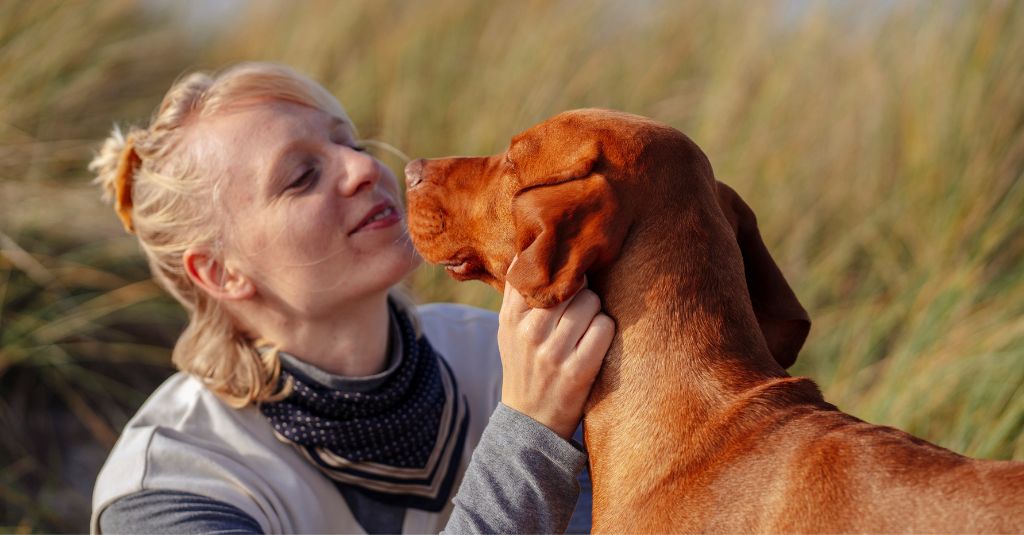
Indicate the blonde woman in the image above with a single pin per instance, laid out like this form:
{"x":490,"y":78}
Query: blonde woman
{"x":312,"y":397}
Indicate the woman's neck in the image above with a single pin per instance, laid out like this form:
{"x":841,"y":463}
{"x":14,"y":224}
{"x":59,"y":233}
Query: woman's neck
{"x":350,"y":343}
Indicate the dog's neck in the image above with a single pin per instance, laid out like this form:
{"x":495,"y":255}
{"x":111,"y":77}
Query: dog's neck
{"x":687,"y":353}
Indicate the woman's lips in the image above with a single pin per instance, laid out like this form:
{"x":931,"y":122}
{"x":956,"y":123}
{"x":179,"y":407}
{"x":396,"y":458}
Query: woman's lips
{"x":382,"y":215}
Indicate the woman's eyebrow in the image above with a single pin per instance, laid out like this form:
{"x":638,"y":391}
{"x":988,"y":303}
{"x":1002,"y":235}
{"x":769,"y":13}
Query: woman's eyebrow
{"x":338,"y":122}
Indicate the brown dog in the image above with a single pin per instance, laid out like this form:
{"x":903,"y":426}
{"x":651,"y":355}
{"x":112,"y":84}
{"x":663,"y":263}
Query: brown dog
{"x":693,"y":424}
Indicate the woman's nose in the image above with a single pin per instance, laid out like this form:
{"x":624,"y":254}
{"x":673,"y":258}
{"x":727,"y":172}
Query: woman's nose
{"x":361,"y":171}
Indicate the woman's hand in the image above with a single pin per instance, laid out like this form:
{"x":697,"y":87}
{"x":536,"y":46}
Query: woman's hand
{"x":551,"y":356}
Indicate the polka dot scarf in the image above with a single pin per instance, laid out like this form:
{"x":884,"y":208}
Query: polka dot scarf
{"x":401,"y":442}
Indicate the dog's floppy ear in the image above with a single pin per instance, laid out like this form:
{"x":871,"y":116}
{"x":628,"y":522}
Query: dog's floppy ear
{"x":563,"y":228}
{"x":783,"y":320}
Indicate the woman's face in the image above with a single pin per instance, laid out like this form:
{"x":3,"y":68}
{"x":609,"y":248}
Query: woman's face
{"x":309,"y":218}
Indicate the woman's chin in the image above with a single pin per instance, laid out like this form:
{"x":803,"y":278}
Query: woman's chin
{"x":397,"y":263}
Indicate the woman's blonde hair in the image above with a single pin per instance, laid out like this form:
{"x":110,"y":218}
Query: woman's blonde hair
{"x":166,"y":203}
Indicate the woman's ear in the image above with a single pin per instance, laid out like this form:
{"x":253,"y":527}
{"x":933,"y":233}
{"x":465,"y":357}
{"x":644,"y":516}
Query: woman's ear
{"x":209,"y":273}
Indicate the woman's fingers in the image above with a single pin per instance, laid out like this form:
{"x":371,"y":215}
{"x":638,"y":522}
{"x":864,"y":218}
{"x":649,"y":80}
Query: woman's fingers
{"x":550,"y":357}
{"x":594,"y":344}
{"x":535,"y":325}
{"x":576,"y":319}
{"x":512,"y":303}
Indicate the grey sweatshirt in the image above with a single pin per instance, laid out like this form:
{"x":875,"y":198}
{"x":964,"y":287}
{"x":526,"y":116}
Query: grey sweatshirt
{"x":187,"y":463}
{"x":522,"y":479}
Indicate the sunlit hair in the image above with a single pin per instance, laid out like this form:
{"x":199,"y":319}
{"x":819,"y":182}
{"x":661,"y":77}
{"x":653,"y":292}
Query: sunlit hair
{"x":170,"y":209}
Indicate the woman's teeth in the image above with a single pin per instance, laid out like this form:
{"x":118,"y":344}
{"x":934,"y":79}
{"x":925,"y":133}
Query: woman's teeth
{"x":382,"y":214}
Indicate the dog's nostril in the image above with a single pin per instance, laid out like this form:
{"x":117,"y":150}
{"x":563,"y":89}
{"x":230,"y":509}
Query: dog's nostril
{"x":414,"y":173}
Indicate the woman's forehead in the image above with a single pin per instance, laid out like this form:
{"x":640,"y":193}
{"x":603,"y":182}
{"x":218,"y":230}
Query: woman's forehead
{"x":273,"y":121}
{"x":246,"y":139}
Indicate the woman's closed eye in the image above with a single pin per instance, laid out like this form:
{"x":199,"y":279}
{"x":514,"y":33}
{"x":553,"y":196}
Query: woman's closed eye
{"x":307,"y":179}
{"x":310,"y":173}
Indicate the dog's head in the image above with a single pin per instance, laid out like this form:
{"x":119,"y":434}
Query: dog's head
{"x":563,"y":199}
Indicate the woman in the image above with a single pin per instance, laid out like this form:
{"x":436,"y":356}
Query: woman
{"x":312,"y":397}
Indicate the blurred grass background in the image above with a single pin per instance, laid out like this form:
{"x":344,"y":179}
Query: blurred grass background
{"x":881,"y":145}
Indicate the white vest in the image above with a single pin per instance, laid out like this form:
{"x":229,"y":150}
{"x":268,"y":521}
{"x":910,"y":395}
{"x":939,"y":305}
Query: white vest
{"x":184,"y":438}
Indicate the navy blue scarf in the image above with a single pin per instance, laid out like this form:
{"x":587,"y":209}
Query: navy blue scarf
{"x":400,"y":442}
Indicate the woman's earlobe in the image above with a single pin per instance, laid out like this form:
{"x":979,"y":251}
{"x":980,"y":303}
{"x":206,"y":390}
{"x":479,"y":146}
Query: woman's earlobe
{"x":209,"y":273}
{"x":236,"y":285}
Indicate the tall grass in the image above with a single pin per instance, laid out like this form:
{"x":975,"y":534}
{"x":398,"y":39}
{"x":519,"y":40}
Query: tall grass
{"x":881,"y":145}
{"x":82,"y":332}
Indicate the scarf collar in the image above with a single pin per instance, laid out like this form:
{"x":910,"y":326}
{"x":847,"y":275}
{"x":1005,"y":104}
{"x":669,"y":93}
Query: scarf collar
{"x":397,"y":435}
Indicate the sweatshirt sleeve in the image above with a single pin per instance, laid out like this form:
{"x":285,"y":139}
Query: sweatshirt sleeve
{"x":521,"y":479}
{"x":168,"y":511}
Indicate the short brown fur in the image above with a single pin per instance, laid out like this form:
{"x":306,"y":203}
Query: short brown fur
{"x":693,"y":424}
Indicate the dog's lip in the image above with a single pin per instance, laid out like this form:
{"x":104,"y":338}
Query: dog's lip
{"x":453,"y":263}
{"x":460,"y":267}
{"x":376,"y":209}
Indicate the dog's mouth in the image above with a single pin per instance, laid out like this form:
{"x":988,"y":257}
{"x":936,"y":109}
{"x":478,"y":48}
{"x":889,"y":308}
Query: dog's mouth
{"x":463,"y":269}
{"x":455,"y":266}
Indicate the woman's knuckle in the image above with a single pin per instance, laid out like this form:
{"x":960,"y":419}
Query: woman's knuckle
{"x":548,"y":355}
{"x":532,"y":331}
{"x":592,"y":302}
{"x":584,"y":295}
{"x":604,"y":322}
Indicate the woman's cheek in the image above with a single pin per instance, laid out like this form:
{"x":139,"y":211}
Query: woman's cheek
{"x":310,"y":232}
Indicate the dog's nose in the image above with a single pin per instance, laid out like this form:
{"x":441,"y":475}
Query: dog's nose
{"x":414,"y":173}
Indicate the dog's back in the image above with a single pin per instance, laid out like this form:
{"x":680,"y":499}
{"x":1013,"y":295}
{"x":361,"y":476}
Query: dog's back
{"x":818,"y":470}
